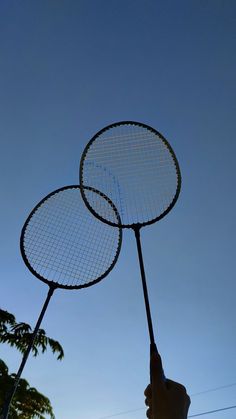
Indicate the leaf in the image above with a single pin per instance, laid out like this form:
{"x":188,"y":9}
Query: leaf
{"x":28,"y":402}
{"x":19,"y":335}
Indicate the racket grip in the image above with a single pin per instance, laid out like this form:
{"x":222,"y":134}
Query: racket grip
{"x":153,"y":350}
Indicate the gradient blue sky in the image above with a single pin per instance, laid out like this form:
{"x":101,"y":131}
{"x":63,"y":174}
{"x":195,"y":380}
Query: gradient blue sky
{"x":67,"y":69}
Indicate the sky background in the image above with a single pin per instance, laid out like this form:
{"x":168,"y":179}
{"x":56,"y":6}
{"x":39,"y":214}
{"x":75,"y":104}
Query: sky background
{"x":67,"y":69}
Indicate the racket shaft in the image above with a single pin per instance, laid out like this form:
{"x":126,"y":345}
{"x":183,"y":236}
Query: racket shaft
{"x":144,"y":284}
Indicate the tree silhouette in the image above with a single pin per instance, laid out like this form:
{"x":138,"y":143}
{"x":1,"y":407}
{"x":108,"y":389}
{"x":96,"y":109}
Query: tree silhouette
{"x":19,"y":335}
{"x":28,"y":403}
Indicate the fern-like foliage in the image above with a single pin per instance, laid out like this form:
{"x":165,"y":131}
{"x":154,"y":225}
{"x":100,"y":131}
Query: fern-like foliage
{"x":19,"y":335}
{"x":28,"y":403}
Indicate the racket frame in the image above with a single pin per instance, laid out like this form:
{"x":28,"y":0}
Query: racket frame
{"x":56,"y":284}
{"x":134,"y":226}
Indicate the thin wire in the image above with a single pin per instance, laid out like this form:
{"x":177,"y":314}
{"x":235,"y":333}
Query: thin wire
{"x":191,"y":395}
{"x":213,"y":411}
{"x":123,"y":413}
{"x":213,"y":389}
{"x":191,"y":416}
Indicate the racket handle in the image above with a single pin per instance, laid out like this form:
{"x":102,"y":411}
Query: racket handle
{"x":153,"y":350}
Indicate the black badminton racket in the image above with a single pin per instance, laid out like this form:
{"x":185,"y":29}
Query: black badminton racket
{"x":64,"y":246}
{"x":136,"y":167}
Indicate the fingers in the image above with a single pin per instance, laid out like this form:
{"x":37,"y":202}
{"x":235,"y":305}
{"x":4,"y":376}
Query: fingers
{"x":173,"y":385}
{"x":179,"y":389}
{"x":149,"y":413}
{"x":188,"y":402}
{"x":148,"y":394}
{"x":148,"y":400}
{"x":148,"y":391}
{"x":179,"y":392}
{"x":171,"y":393}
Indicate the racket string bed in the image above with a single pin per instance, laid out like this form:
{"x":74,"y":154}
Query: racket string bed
{"x":62,"y":238}
{"x":136,"y":168}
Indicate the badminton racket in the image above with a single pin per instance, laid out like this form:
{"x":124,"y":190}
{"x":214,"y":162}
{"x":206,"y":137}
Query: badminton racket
{"x":136,"y":167}
{"x":64,"y":246}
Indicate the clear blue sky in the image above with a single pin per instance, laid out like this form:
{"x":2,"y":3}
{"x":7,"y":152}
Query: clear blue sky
{"x":67,"y":69}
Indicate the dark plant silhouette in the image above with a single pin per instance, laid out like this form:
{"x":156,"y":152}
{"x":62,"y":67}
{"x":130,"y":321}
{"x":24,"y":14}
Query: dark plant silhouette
{"x":28,"y":403}
{"x":19,"y":335}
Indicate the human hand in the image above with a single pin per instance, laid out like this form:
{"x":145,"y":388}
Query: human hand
{"x":165,"y":398}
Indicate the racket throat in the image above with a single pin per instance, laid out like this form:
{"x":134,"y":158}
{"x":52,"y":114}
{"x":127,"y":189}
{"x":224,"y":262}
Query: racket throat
{"x":144,"y":284}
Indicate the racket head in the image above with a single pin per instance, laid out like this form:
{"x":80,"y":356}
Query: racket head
{"x":136,"y":167}
{"x":63,"y":245}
